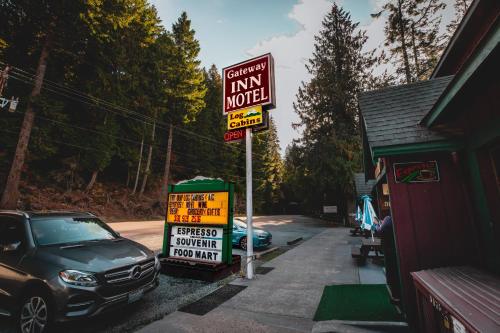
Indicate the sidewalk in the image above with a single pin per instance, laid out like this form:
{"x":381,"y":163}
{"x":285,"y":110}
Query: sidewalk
{"x":283,"y":300}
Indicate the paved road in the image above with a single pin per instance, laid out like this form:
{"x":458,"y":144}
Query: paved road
{"x":284,"y":228}
{"x":172,"y":292}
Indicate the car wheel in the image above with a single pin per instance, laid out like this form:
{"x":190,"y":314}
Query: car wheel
{"x":34,"y":314}
{"x":243,"y":243}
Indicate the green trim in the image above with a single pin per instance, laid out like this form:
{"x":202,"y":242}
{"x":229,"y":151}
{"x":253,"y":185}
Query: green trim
{"x":484,"y":216}
{"x":166,"y":230}
{"x":207,"y":185}
{"x":490,"y":43}
{"x":413,"y":148}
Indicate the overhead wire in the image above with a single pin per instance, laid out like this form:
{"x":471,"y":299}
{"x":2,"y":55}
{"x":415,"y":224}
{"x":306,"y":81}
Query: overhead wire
{"x":90,"y":100}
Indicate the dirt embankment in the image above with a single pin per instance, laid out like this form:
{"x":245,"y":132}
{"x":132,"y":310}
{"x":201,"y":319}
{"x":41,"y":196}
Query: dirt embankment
{"x":107,"y":201}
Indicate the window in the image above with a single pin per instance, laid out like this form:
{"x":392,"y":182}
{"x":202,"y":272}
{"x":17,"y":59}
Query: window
{"x":61,"y":230}
{"x":11,"y":231}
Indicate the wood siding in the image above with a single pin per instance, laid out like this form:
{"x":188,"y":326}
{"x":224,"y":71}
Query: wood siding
{"x":432,"y":223}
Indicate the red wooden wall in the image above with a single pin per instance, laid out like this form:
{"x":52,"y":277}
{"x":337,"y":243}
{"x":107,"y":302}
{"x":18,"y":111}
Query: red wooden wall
{"x":432,"y":223}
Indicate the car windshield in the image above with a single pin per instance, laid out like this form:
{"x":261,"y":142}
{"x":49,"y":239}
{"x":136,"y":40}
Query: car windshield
{"x":240,"y":224}
{"x":62,"y":230}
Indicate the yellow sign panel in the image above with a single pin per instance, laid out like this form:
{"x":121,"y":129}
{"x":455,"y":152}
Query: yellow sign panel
{"x":198,"y":208}
{"x":245,"y":118}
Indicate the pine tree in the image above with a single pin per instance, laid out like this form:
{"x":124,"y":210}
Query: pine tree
{"x":185,"y":77}
{"x":327,"y":109}
{"x":460,"y":7}
{"x":413,"y":36}
{"x":267,"y":170}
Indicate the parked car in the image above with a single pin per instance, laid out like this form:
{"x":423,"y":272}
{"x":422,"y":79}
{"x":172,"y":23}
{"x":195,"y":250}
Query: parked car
{"x":61,"y":266}
{"x":261,"y":238}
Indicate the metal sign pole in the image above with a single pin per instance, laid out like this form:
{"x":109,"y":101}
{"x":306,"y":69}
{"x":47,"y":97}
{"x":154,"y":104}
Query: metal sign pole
{"x":248,"y":141}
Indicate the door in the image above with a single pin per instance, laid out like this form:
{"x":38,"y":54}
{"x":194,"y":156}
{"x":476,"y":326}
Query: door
{"x":12,"y":249}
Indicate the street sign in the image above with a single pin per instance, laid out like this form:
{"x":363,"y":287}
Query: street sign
{"x":198,"y":243}
{"x":234,"y":135}
{"x":198,"y":208}
{"x":248,"y":84}
{"x":330,"y":209}
{"x":245,"y":118}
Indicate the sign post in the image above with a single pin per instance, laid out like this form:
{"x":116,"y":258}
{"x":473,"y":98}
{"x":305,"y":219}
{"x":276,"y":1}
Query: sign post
{"x":248,"y":142}
{"x":248,"y":93}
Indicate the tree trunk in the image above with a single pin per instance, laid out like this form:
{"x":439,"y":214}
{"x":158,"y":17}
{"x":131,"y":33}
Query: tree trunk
{"x":402,"y":34}
{"x":166,"y":175}
{"x":148,"y":163}
{"x":92,"y":180}
{"x":11,"y":192}
{"x":415,"y":52}
{"x":128,"y":178}
{"x":138,"y":167}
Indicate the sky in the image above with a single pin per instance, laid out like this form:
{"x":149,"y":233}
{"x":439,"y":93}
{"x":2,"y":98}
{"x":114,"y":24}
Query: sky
{"x":230,"y":31}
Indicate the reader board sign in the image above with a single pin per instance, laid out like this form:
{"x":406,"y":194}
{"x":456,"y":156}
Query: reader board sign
{"x":245,"y":118}
{"x":248,"y":83}
{"x":235,"y":135}
{"x":416,"y":172}
{"x":198,"y":208}
{"x":196,"y":243}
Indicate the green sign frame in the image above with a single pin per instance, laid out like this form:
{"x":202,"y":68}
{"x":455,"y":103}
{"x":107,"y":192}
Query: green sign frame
{"x":200,"y":186}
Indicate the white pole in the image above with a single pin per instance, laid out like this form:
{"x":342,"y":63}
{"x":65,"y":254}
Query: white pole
{"x":248,"y":141}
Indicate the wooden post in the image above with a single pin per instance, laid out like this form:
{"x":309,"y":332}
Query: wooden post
{"x":164,"y":191}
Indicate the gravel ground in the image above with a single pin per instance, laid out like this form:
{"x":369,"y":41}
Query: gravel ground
{"x":172,"y":294}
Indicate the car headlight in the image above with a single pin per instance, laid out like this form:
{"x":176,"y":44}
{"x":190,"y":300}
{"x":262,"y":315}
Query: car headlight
{"x":78,"y":278}
{"x":262,"y":236}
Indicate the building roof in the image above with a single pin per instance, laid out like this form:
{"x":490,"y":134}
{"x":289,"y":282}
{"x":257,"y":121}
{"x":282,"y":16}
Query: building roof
{"x":392,"y":115}
{"x":363,"y":187}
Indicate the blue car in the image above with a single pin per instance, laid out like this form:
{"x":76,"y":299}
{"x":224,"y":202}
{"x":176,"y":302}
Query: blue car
{"x":261,"y":238}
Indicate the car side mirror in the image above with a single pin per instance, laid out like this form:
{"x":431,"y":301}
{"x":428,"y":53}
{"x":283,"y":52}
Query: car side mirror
{"x":11,"y":247}
{"x":118,"y":234}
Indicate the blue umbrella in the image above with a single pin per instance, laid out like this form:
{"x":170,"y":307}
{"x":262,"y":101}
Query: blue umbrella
{"x":369,"y":216}
{"x":359,"y":215}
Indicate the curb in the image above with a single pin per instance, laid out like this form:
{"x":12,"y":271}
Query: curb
{"x":260,"y":254}
{"x":295,"y":241}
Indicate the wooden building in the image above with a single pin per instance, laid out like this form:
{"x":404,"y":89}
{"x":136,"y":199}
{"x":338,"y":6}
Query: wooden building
{"x":437,"y":145}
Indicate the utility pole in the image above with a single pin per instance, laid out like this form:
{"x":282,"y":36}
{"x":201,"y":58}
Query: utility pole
{"x":248,"y":143}
{"x":4,"y":76}
{"x":11,"y":192}
{"x":164,"y":189}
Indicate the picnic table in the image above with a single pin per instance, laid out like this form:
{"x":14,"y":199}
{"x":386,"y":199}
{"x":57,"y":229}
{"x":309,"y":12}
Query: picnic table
{"x":367,"y":245}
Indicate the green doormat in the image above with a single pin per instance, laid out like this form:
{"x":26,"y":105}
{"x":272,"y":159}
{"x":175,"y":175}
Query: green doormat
{"x":363,"y":302}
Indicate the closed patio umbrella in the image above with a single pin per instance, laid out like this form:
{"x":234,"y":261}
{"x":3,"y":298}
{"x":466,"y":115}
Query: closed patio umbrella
{"x":369,"y":216}
{"x":359,"y":215}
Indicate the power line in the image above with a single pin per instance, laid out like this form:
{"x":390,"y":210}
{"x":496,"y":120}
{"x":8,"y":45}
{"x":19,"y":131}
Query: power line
{"x":85,"y":98}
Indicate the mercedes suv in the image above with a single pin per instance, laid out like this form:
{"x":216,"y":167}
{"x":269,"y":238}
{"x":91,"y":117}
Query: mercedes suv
{"x":60,"y":266}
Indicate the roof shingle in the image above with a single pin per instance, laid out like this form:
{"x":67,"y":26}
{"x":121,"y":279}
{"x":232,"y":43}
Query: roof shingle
{"x":392,"y":115}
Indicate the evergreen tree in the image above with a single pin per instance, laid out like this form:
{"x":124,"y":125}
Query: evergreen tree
{"x":267,"y":170}
{"x":460,"y":7}
{"x":413,"y":37}
{"x":327,"y":108}
{"x":185,"y":77}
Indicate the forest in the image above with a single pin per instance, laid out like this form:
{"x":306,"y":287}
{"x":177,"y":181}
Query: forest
{"x":103,"y":87}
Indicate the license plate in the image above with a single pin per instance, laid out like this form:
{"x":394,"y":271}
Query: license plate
{"x":135,"y":296}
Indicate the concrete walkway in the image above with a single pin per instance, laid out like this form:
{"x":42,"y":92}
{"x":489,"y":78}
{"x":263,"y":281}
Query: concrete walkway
{"x":283,"y":300}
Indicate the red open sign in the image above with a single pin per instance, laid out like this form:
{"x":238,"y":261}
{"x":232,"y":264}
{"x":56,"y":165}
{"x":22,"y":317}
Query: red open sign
{"x":235,"y":135}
